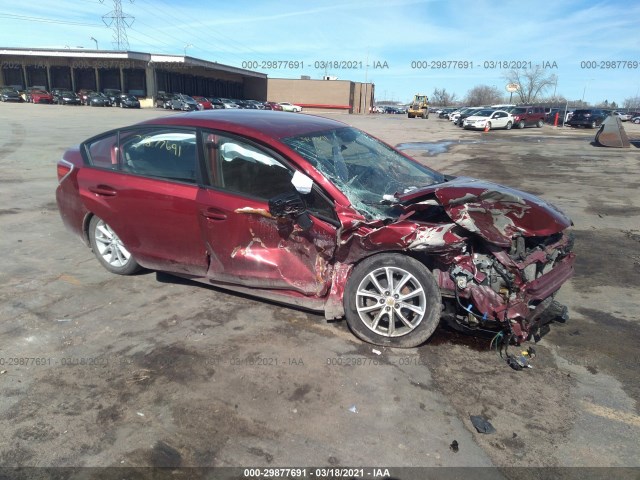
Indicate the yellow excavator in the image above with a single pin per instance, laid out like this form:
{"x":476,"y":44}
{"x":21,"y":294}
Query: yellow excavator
{"x":419,"y":107}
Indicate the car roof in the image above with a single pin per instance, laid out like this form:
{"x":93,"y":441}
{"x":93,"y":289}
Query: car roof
{"x":256,"y":122}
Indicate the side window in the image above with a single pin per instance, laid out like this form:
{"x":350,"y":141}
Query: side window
{"x":163,"y":153}
{"x":240,"y":167}
{"x":103,"y":153}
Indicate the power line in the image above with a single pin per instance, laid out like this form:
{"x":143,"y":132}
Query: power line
{"x":46,"y":20}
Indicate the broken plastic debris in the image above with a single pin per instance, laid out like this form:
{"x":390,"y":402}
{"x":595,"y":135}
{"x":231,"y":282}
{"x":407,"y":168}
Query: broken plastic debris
{"x":140,"y":414}
{"x":301,"y":182}
{"x":454,"y":446}
{"x":481,"y":424}
{"x":353,"y":409}
{"x":389,"y":198}
{"x":3,"y":372}
{"x":377,"y":352}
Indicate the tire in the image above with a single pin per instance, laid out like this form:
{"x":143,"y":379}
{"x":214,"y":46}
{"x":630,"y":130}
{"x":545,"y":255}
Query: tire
{"x":594,"y":124}
{"x":409,"y":116}
{"x":540,"y":124}
{"x":382,"y":323}
{"x":521,"y":125}
{"x":636,"y":121}
{"x":509,"y":125}
{"x":488,"y":126}
{"x":109,"y":250}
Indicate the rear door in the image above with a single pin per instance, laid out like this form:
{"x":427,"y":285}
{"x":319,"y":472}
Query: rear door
{"x":144,"y":182}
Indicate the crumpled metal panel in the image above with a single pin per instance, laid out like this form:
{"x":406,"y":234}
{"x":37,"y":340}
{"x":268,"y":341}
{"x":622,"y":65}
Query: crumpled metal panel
{"x":494,"y":212}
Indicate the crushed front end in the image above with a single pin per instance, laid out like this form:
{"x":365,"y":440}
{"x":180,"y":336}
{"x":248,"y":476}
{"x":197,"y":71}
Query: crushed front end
{"x":516,"y":255}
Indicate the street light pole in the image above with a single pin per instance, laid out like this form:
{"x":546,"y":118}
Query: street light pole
{"x":185,"y":48}
{"x":97,"y":48}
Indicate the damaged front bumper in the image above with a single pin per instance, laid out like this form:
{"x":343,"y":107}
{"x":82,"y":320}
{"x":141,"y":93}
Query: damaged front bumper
{"x":497,"y":291}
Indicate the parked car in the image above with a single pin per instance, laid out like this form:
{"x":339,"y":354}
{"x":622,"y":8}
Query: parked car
{"x":40,"y":96}
{"x":445,"y":113}
{"x":96,"y":99}
{"x":216,"y":103}
{"x":163,"y":100}
{"x":55,"y":93}
{"x":126,"y":100}
{"x":551,"y":116}
{"x":27,"y":94}
{"x":204,"y":103}
{"x":462,"y":116}
{"x":453,"y":116}
{"x":636,"y":120}
{"x":229,"y":103}
{"x":589,"y":117}
{"x":624,"y":117}
{"x":113,"y":94}
{"x":10,"y":94}
{"x":309,"y":211}
{"x":273,"y":106}
{"x":527,"y":115}
{"x":289,"y":107}
{"x":489,"y":119}
{"x":183,"y":102}
{"x":67,"y":97}
{"x":84,"y":95}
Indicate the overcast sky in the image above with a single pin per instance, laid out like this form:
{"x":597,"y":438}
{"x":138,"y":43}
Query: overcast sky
{"x":383,"y":39}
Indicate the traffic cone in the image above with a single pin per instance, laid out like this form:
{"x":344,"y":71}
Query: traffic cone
{"x":486,"y":127}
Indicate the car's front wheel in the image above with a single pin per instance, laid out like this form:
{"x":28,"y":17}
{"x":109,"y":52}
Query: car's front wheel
{"x":509,"y":125}
{"x":109,"y":249}
{"x":521,"y":125}
{"x":392,"y":300}
{"x":594,"y":124}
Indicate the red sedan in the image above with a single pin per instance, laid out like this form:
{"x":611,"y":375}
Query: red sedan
{"x":204,"y":103}
{"x":314,"y":213}
{"x":41,"y":96}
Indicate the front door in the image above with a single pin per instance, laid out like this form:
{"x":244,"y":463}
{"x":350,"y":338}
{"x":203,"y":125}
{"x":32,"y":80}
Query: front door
{"x":247,"y":246}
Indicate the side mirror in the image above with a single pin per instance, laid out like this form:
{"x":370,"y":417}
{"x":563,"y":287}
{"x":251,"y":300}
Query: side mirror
{"x":291,"y":204}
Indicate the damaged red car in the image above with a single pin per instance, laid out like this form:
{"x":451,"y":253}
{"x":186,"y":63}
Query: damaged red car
{"x":314,"y":213}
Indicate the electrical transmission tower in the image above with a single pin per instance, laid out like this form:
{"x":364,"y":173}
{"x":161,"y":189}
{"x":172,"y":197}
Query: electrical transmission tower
{"x":118,"y":21}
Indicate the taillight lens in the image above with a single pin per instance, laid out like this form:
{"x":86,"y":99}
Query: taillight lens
{"x":64,"y":169}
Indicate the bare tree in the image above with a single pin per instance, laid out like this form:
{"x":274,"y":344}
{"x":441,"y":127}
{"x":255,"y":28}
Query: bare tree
{"x":533,"y":82}
{"x":483,"y":95}
{"x":442,"y":98}
{"x":631,"y":102}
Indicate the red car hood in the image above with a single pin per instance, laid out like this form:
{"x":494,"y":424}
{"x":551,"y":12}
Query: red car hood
{"x":494,"y":212}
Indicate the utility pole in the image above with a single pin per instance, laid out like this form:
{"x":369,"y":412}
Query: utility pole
{"x":118,"y":21}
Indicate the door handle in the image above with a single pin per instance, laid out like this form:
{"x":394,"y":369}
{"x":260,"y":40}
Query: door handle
{"x":214,"y":214}
{"x":104,"y":190}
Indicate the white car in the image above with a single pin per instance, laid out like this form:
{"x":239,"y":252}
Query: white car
{"x":624,"y":117}
{"x":289,"y":107}
{"x":489,"y":118}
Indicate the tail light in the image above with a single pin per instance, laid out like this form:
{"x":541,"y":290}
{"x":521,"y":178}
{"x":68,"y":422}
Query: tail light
{"x":64,"y":169}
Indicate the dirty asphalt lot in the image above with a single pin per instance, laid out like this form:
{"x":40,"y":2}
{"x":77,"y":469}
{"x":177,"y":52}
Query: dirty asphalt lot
{"x":151,"y":370}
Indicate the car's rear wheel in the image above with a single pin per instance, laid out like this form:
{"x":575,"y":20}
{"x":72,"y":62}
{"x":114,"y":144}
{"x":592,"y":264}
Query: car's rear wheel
{"x":636,"y":120}
{"x":521,"y":125}
{"x":540,"y":123}
{"x":392,"y":300}
{"x":509,"y":125}
{"x":109,"y":249}
{"x":487,"y":126}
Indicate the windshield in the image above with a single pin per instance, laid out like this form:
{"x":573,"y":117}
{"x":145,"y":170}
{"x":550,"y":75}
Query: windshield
{"x":483,"y":113}
{"x":367,"y":171}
